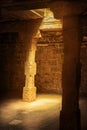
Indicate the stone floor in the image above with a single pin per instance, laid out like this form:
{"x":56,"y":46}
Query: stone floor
{"x":42,"y":114}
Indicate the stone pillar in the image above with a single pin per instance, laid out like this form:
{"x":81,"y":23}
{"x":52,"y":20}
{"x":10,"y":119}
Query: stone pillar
{"x":29,"y":91}
{"x":70,"y":113}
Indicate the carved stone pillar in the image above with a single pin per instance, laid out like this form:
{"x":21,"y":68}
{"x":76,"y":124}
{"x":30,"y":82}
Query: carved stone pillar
{"x":70,"y":114}
{"x":29,"y":91}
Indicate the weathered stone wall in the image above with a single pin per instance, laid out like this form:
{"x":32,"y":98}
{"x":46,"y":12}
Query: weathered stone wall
{"x":11,"y":62}
{"x":15,"y":41}
{"x":49,"y":59}
{"x":83,"y":85}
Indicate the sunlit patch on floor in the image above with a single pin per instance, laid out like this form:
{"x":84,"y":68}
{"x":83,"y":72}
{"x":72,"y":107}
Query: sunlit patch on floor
{"x":16,"y":113}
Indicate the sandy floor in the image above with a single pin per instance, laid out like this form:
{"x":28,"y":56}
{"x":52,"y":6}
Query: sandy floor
{"x":42,"y":114}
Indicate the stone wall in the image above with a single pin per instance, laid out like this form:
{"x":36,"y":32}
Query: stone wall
{"x":83,"y":85}
{"x":15,"y":41}
{"x":49,"y":59}
{"x":11,"y":61}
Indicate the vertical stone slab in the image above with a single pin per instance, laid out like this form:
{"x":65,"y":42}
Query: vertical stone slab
{"x":70,"y":114}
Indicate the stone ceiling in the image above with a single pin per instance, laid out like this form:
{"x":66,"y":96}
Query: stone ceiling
{"x":29,"y":9}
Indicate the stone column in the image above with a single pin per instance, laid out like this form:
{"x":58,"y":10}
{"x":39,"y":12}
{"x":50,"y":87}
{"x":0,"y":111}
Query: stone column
{"x":70,"y":113}
{"x":29,"y":91}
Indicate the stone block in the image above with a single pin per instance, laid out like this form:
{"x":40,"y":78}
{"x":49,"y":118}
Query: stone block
{"x":29,"y":94}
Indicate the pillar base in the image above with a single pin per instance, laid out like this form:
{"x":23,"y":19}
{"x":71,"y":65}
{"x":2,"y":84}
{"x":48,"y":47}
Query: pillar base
{"x":29,"y":94}
{"x":70,"y":121}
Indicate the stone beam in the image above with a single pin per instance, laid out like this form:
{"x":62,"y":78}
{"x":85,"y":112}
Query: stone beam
{"x":24,"y":5}
{"x":66,"y":8}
